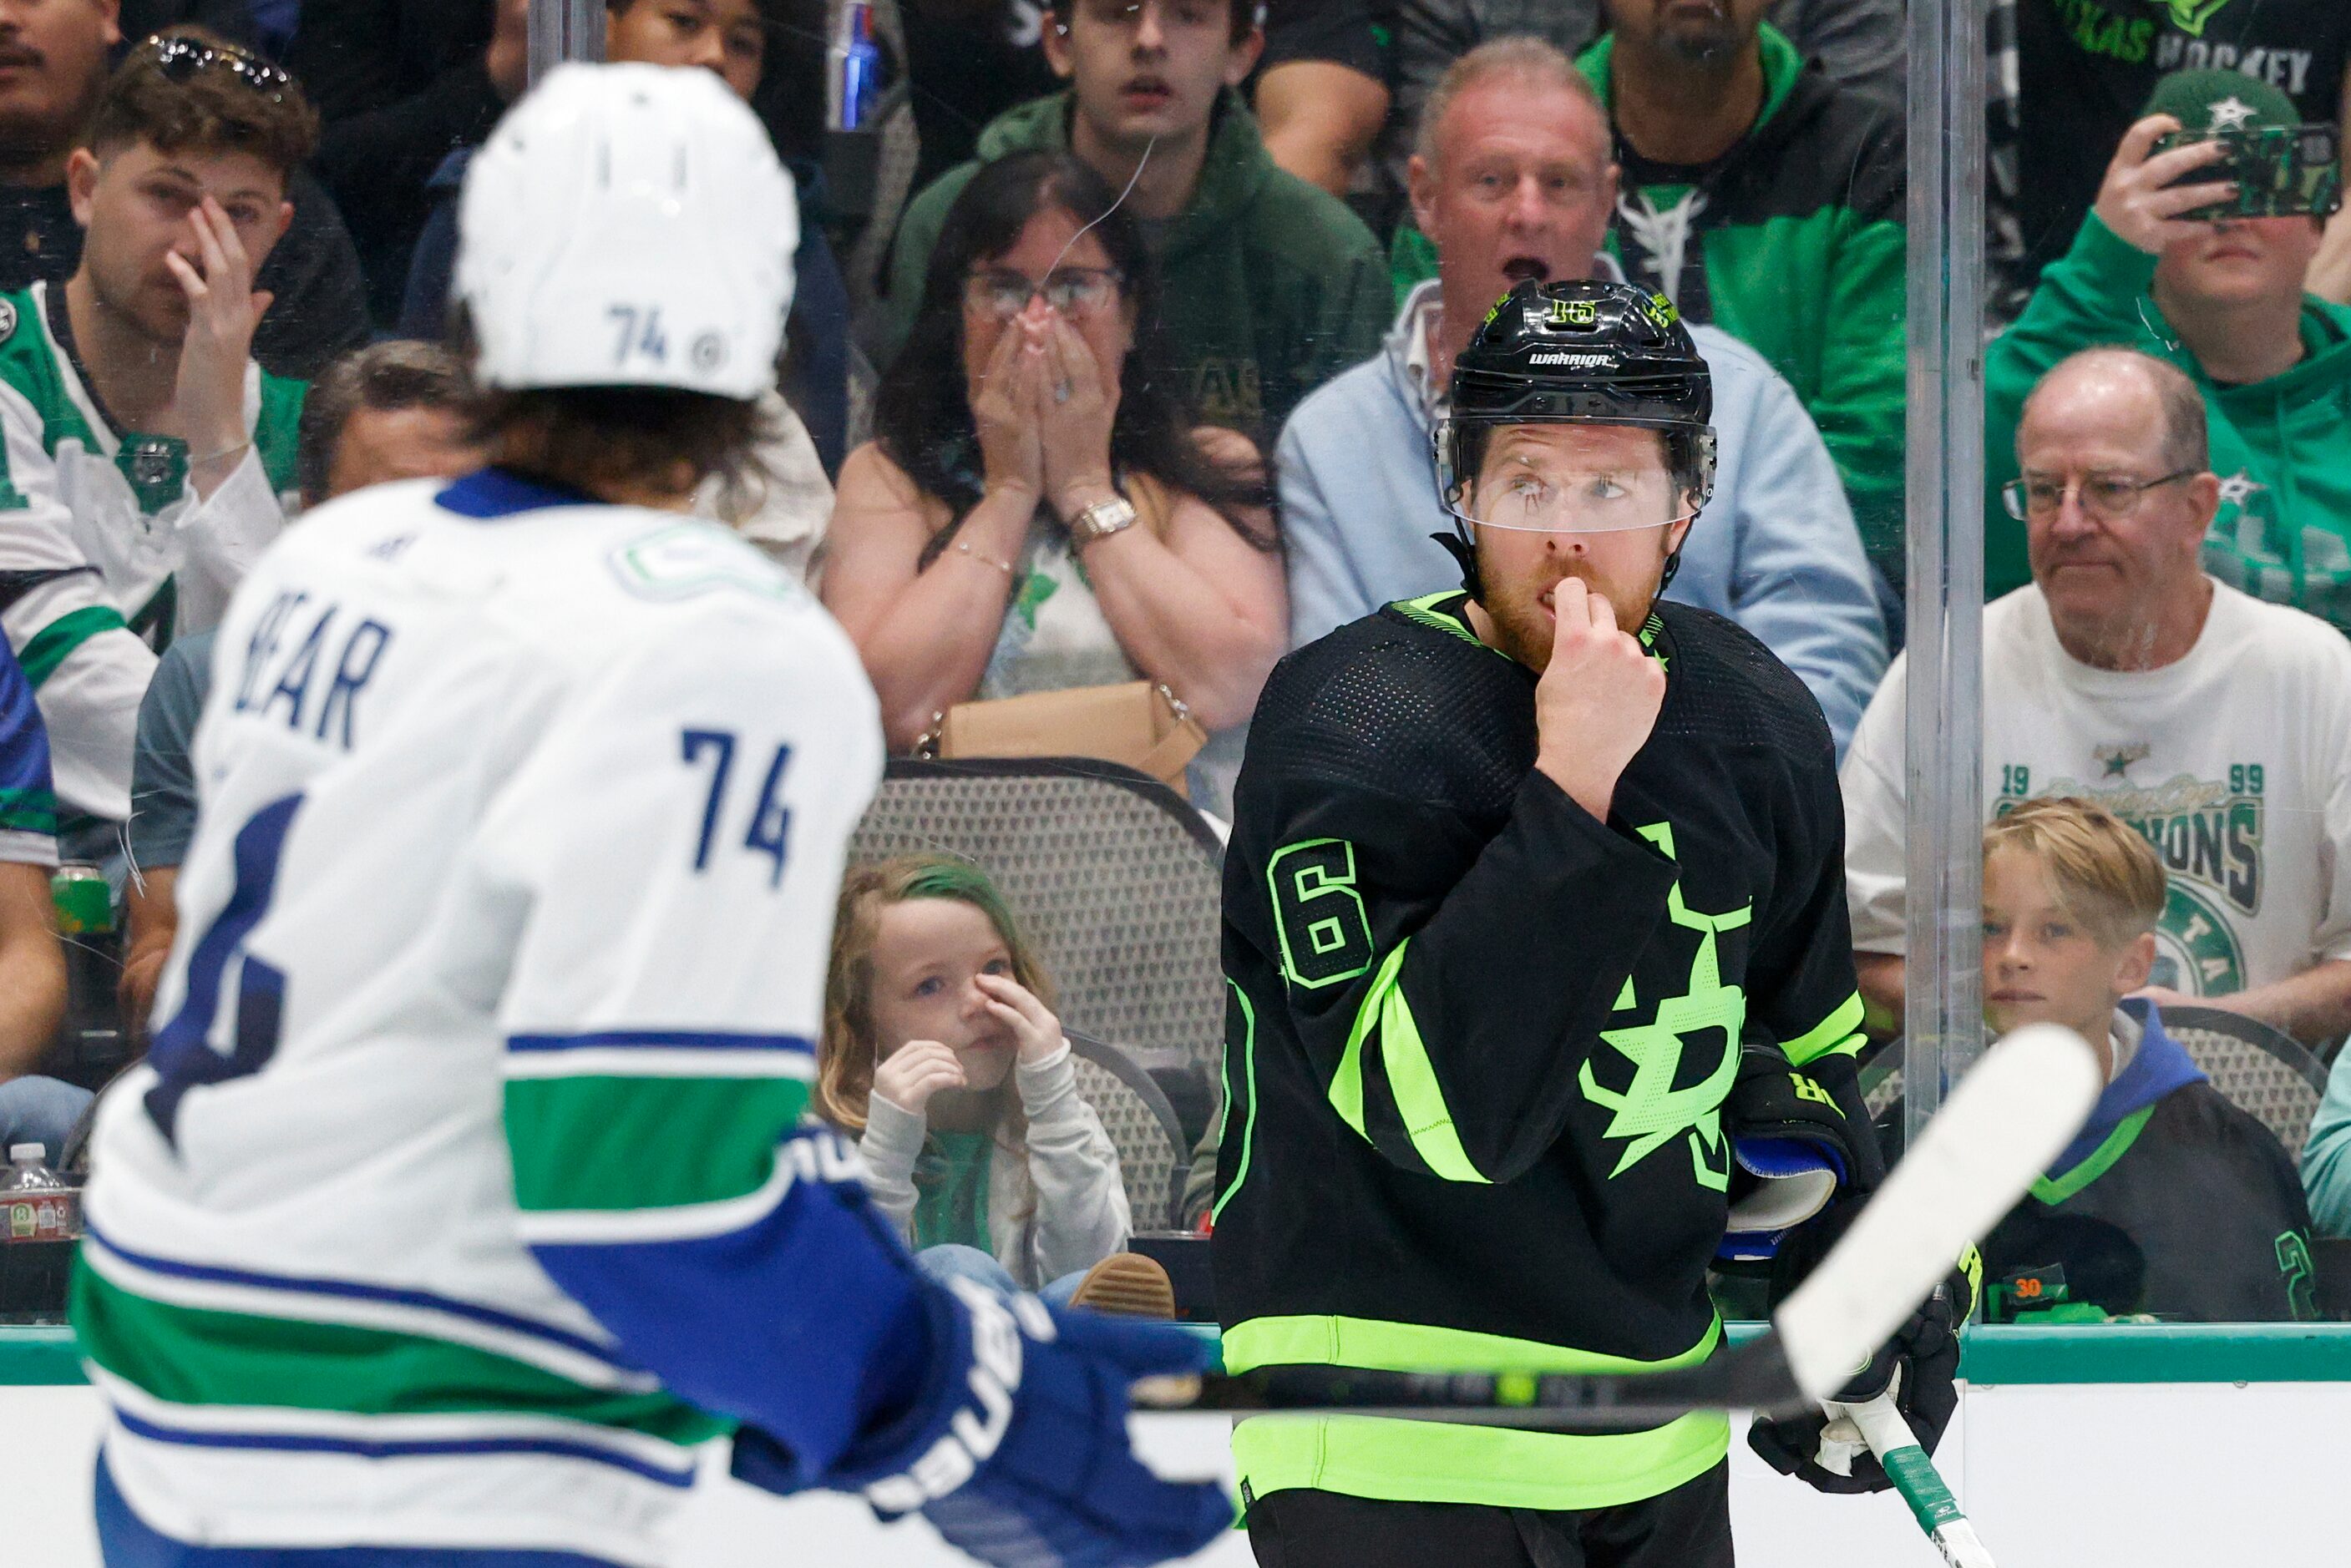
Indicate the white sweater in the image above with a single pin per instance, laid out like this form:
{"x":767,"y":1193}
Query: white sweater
{"x":1080,"y":1214}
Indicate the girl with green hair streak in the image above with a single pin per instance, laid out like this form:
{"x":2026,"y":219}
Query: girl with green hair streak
{"x":942,"y":1054}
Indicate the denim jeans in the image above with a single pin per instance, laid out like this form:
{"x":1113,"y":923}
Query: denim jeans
{"x":952,"y":1260}
{"x":40,"y":1110}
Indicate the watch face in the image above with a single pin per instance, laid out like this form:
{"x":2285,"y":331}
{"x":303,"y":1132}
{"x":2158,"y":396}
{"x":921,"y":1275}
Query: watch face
{"x":1103,"y":517}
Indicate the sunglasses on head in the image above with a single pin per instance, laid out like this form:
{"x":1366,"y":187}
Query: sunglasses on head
{"x":181,"y":58}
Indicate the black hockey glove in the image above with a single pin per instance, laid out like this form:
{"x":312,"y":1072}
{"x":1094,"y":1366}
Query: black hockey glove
{"x":1792,"y":1150}
{"x":1919,"y":1362}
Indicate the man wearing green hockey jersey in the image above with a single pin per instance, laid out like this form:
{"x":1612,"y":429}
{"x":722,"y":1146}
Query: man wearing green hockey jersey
{"x":2226,"y":302}
{"x":144,"y":450}
{"x":1534,"y":923}
{"x":1765,"y":198}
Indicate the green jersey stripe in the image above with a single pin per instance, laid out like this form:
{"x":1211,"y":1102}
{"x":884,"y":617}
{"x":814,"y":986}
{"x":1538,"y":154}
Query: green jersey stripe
{"x":1412,"y":1076}
{"x":1316,"y":1340}
{"x":29,"y":810}
{"x":2101,"y":1160}
{"x":195,"y":1356}
{"x":1432,"y":1461}
{"x":55,"y":643}
{"x":1248,"y":1082}
{"x":276,"y":428}
{"x":1435,"y":1461}
{"x":1839,"y":1031}
{"x":575,"y":1141}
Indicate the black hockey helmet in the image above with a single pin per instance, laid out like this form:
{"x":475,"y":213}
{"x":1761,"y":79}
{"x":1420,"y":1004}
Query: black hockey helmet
{"x":1577,"y":351}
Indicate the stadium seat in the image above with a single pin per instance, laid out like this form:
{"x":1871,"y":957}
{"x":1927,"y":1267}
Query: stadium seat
{"x":1154,"y":1158}
{"x":1117,"y":881}
{"x":2267,"y":1073}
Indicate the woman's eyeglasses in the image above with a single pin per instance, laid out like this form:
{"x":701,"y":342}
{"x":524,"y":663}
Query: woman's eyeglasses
{"x":1005,"y":294}
{"x":180,"y":58}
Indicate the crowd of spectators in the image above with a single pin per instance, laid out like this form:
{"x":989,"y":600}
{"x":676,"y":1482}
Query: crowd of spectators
{"x":1135,"y":382}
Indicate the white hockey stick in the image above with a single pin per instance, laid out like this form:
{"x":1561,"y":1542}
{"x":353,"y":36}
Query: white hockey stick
{"x":2003,"y":1125}
{"x":1914,"y":1475}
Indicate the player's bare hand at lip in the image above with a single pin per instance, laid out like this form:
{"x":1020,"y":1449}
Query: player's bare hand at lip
{"x":910,"y":1074}
{"x":1033,"y":1026}
{"x":224,"y":309}
{"x":1598,"y":701}
{"x":2136,"y":201}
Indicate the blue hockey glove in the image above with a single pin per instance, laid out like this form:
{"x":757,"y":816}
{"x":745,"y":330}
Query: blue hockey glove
{"x":1017,"y":1453}
{"x":1792,"y":1150}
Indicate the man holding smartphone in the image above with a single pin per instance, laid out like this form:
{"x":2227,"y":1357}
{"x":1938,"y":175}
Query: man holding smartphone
{"x":2225,"y":300}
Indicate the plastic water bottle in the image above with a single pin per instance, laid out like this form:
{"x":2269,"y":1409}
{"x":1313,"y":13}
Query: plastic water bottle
{"x":40,"y":1219}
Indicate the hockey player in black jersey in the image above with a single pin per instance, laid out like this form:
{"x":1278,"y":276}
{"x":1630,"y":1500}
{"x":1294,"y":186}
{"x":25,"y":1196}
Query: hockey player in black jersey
{"x":1534,"y":925}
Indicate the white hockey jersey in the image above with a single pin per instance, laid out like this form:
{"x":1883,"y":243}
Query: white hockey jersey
{"x":468,"y":1185}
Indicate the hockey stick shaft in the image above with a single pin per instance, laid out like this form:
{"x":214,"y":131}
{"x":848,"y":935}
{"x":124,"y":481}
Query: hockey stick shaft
{"x":1754,"y":1375}
{"x":2003,"y":1125}
{"x":1913,"y":1473}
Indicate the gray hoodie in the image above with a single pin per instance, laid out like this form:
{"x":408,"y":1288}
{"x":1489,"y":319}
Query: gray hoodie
{"x":1079,"y":1214}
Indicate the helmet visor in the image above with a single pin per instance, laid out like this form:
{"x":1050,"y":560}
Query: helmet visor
{"x":1542,"y":492}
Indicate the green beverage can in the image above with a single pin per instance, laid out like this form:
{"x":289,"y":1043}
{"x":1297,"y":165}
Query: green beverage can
{"x":85,"y":903}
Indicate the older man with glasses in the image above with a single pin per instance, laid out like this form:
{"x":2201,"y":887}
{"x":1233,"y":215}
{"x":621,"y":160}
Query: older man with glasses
{"x":2215,"y":724}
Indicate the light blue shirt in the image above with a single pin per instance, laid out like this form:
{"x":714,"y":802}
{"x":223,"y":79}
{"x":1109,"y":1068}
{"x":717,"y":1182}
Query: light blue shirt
{"x":2326,"y":1155}
{"x":1775,"y":550}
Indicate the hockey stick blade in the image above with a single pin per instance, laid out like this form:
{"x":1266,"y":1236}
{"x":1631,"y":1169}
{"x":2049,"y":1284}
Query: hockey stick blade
{"x":2006,"y":1121}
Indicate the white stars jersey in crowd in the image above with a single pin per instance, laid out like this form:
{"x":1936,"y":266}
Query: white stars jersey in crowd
{"x":2235,"y":762}
{"x":105,"y":547}
{"x":463,"y":1179}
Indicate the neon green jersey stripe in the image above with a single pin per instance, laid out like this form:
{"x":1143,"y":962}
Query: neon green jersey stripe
{"x":1320,"y":1340}
{"x":1412,"y":1077}
{"x":55,"y":643}
{"x":579,"y":1143}
{"x":1432,"y":1461}
{"x":192,"y":1355}
{"x":1424,"y":611}
{"x":2055,"y":1190}
{"x":1840,"y":1031}
{"x":1248,"y":1078}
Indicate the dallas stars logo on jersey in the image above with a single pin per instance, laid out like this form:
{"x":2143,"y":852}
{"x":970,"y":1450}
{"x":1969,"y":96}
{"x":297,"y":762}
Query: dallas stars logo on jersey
{"x":1649,"y":1111}
{"x":2190,"y":15}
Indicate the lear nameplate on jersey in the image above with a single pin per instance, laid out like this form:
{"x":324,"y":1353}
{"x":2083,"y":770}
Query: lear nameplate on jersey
{"x":691,"y":558}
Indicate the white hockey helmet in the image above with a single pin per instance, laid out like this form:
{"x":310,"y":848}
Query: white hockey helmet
{"x":628,"y":225}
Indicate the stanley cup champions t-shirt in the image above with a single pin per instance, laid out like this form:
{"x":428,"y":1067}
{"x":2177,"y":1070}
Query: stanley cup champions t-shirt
{"x":2234,"y":762}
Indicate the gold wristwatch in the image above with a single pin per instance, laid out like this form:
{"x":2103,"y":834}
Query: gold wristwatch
{"x":1099,"y":520}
